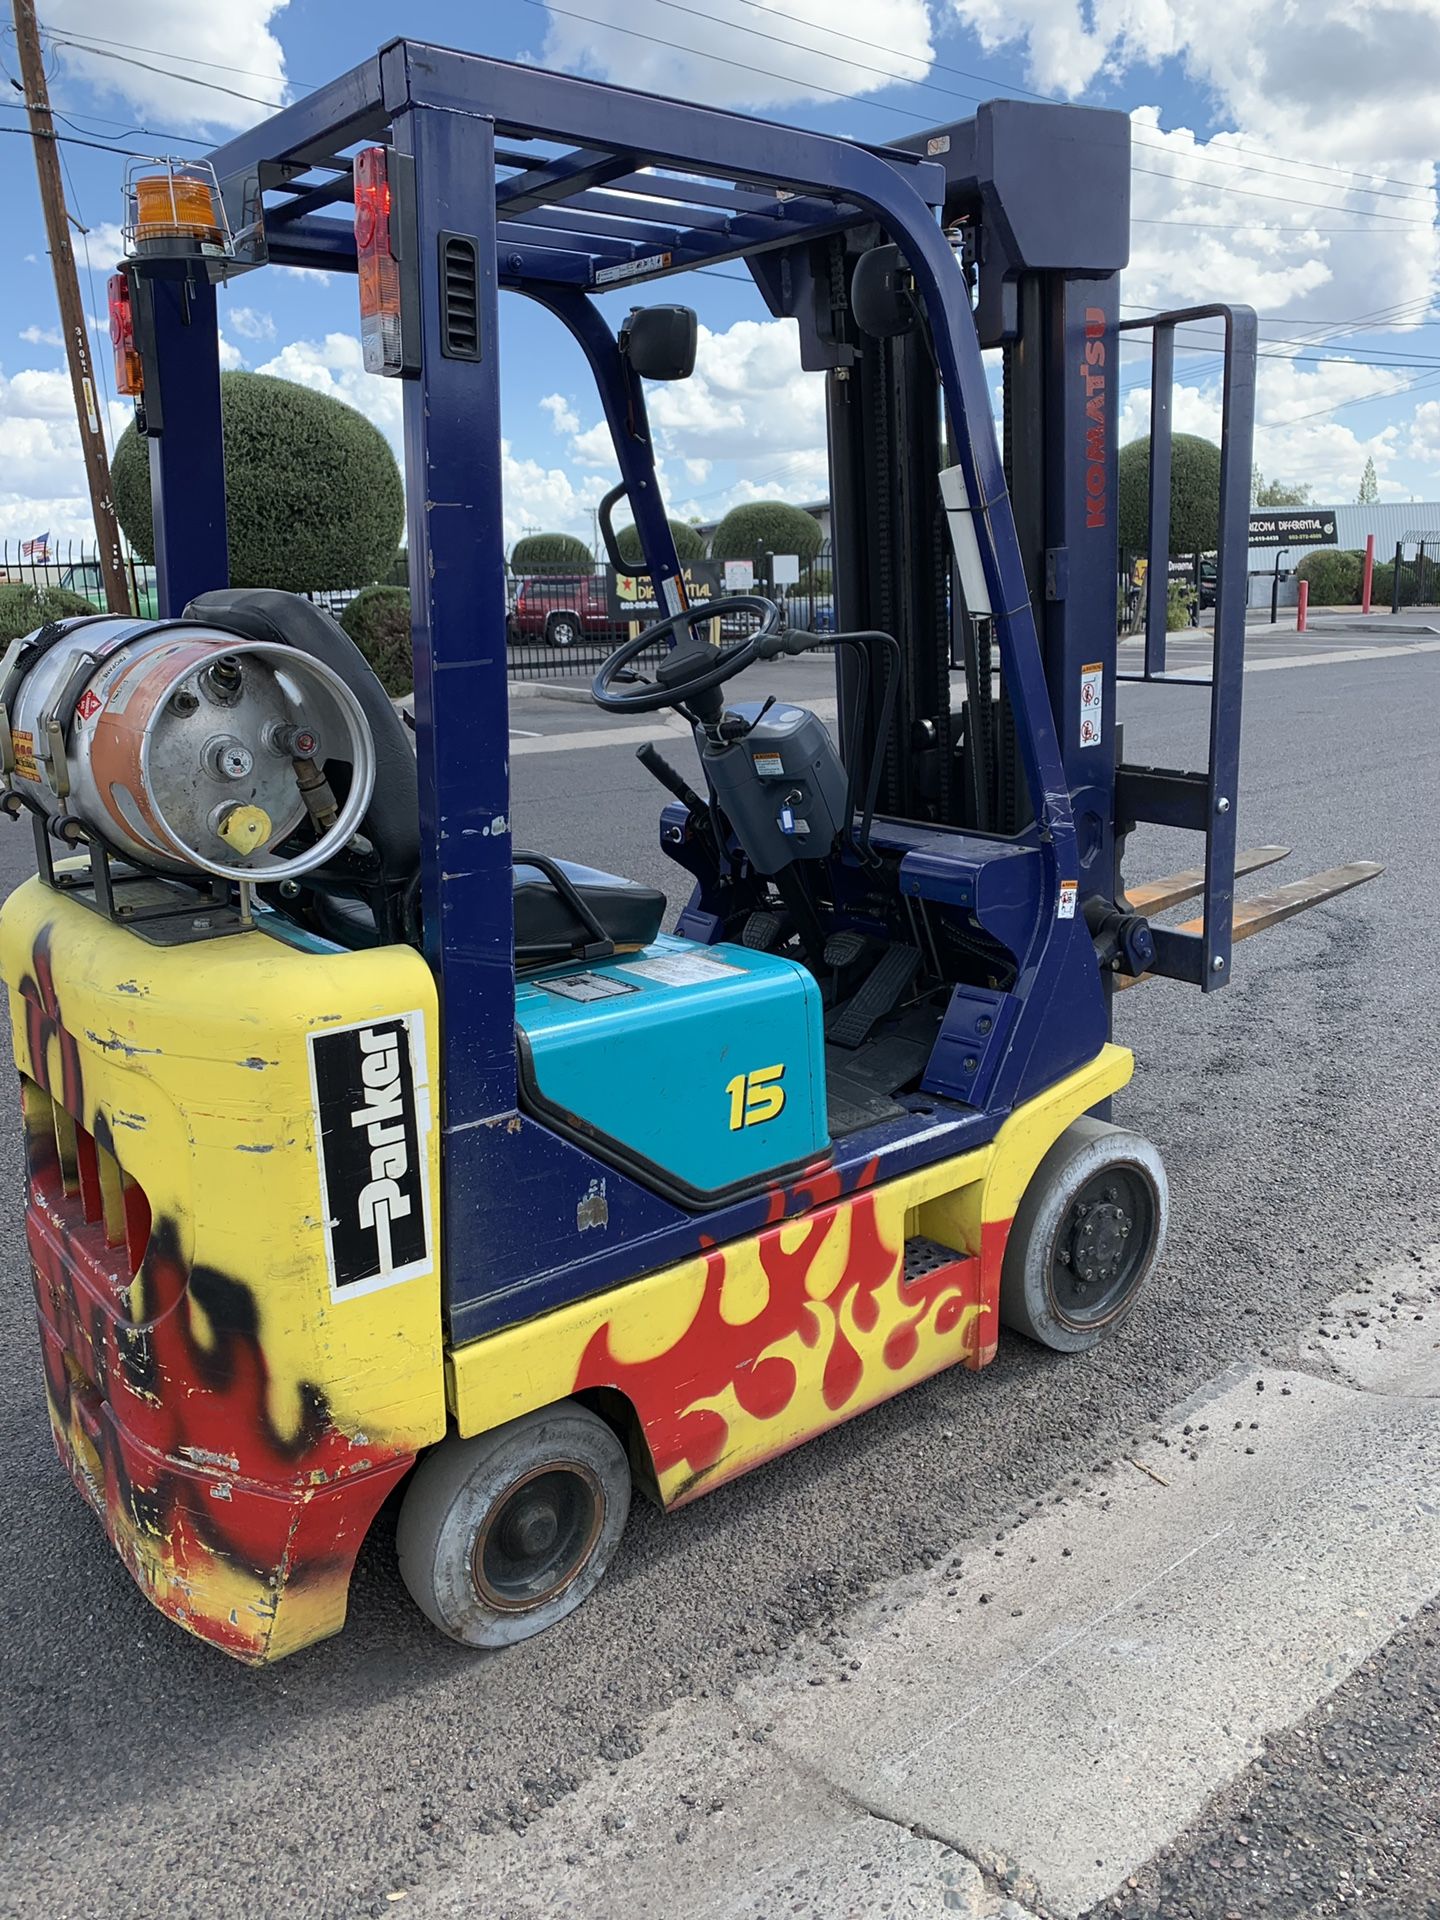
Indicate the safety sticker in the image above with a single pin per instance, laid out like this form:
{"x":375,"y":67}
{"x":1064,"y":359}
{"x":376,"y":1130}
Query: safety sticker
{"x":24,"y":745}
{"x":1066,"y":909}
{"x":627,"y":269}
{"x":680,"y":969}
{"x":1092,"y":703}
{"x":372,"y":1118}
{"x":587,"y":986}
{"x":769,"y":766}
{"x":88,"y":705}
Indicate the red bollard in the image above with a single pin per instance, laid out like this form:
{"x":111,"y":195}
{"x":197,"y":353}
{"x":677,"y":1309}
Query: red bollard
{"x":1304,"y":606}
{"x":1369,"y":573}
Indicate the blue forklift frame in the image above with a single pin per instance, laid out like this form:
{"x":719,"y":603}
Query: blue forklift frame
{"x":637,"y":189}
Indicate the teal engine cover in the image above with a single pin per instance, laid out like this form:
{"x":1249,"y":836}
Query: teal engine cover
{"x":698,"y":1070}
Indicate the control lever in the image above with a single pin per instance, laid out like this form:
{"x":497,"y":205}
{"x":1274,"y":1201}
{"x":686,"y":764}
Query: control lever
{"x":788,"y":640}
{"x":671,"y":778}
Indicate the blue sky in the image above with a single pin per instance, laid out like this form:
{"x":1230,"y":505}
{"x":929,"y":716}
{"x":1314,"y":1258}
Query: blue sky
{"x":1288,"y":163}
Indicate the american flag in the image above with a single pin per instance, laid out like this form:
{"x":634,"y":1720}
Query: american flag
{"x":36,"y":549}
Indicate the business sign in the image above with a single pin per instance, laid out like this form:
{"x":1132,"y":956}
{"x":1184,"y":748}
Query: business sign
{"x":632,"y":595}
{"x":1294,"y":527}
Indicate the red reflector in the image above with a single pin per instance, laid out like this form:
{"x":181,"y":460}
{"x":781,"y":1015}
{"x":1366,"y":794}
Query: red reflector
{"x":129,"y":373}
{"x":379,"y":274}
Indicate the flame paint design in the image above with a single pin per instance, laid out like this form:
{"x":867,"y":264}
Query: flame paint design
{"x":795,"y":1331}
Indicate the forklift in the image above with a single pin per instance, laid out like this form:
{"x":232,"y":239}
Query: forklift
{"x":368,"y":1151}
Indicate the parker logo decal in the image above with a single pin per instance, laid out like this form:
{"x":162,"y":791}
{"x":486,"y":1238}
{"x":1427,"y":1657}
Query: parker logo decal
{"x":372,"y":1112}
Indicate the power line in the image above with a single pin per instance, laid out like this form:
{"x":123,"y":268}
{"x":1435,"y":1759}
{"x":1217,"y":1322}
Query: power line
{"x":189,"y":79}
{"x":1258,"y":193}
{"x":168,"y":53}
{"x":929,"y":86}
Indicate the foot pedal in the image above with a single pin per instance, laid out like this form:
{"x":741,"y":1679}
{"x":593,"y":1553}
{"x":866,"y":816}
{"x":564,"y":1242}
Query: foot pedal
{"x":850,"y":1025}
{"x":844,"y":949}
{"x":762,"y":930}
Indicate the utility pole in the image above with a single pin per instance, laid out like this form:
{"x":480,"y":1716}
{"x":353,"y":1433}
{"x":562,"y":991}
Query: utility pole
{"x":72,"y":314}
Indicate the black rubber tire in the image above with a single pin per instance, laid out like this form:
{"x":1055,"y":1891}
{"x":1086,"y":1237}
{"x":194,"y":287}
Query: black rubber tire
{"x":562,"y":630}
{"x":452,"y":1532}
{"x":1038,"y":1296}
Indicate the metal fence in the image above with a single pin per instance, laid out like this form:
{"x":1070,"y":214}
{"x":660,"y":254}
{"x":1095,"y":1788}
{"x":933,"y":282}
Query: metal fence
{"x":561,"y":622}
{"x":72,"y":567}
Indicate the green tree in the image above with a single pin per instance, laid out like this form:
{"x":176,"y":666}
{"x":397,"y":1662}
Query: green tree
{"x":1194,"y":496}
{"x":537,"y":550}
{"x":313,"y":497}
{"x":766,"y":526}
{"x":1276,"y":493}
{"x":378,"y":621}
{"x":1334,"y":574}
{"x":23,"y":608}
{"x":688,"y":544}
{"x":1369,"y":485}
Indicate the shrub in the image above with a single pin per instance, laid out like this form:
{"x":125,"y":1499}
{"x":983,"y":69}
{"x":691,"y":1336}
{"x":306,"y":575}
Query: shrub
{"x":1178,"y":602}
{"x":688,"y":544}
{"x":1334,"y":575}
{"x":23,"y":608}
{"x":766,"y":526}
{"x":1382,"y":587}
{"x":378,"y":621}
{"x":1194,"y":495}
{"x":549,"y":550}
{"x":313,"y":498}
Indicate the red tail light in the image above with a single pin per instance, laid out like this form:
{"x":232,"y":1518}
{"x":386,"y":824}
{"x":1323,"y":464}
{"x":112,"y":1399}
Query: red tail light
{"x":380,"y":331}
{"x":129,"y":373}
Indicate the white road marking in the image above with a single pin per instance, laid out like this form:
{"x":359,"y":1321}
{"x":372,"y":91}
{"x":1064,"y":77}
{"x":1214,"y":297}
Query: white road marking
{"x":1138,"y":1640}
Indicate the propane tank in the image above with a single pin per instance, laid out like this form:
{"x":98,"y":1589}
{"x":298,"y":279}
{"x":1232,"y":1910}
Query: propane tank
{"x":182,"y":746}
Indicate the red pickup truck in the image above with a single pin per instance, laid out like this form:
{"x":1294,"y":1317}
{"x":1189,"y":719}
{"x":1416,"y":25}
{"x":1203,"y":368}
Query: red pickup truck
{"x":562,"y":610}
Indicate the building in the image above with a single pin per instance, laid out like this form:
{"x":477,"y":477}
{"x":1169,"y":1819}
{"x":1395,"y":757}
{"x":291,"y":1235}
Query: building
{"x":1285,"y":531}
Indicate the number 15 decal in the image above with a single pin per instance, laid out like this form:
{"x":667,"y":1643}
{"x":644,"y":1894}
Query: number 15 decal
{"x":756,"y":1096}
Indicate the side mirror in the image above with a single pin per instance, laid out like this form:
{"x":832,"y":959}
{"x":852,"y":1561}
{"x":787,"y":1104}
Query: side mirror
{"x":659,"y":342}
{"x":882,"y":294}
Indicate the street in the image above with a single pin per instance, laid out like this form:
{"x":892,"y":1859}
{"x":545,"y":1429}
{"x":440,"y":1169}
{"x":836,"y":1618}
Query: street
{"x":388,"y":1770}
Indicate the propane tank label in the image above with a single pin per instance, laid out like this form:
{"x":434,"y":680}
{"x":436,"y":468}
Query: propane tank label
{"x":1092,"y":703}
{"x":372,"y":1118}
{"x":24,"y":745}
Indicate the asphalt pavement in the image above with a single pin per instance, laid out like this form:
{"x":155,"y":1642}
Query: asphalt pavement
{"x":143,"y":1772}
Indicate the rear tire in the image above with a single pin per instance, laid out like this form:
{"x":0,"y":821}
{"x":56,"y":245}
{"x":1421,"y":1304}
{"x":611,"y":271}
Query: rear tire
{"x":1088,"y":1231}
{"x":562,"y":630}
{"x":502,"y":1535}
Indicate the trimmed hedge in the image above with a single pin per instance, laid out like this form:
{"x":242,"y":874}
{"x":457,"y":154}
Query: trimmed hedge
{"x":1334,"y":574}
{"x":313,"y":498}
{"x":1382,"y":587}
{"x":1194,"y":496}
{"x":23,"y":608}
{"x":378,"y":621}
{"x":688,"y":544}
{"x":549,"y":550}
{"x":766,"y":526}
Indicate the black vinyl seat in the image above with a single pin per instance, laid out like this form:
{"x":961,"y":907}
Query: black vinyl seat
{"x":548,"y":928}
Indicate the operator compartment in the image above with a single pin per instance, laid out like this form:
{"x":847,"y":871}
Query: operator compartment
{"x":699,"y":1070}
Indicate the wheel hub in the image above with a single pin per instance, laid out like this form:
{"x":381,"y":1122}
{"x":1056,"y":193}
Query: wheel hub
{"x":1098,"y":1239}
{"x":531,"y":1529}
{"x":538,"y":1536}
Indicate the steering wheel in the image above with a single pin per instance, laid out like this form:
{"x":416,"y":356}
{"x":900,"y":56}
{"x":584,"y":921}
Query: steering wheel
{"x":694,"y":666}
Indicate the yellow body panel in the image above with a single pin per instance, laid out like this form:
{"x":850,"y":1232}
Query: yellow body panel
{"x":234,"y":1418}
{"x":744,"y":1351}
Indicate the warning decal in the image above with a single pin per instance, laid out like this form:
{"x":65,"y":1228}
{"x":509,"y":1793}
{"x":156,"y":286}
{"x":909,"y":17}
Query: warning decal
{"x":24,"y":744}
{"x":1092,"y":703}
{"x":1066,"y":908}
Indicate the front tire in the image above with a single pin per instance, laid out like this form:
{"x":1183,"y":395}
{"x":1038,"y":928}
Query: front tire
{"x":502,"y":1535}
{"x":1088,"y":1231}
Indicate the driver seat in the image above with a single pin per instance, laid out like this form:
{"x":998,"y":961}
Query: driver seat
{"x":561,"y":907}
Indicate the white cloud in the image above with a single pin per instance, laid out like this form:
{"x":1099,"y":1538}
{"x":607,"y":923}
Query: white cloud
{"x":245,"y":57}
{"x":42,"y":476}
{"x":251,"y":324}
{"x":1301,"y":434}
{"x":43,"y":336}
{"x":1318,"y":253}
{"x":563,"y":416}
{"x":1340,"y":80}
{"x":1425,"y":433}
{"x":106,"y":244}
{"x":647,"y":44}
